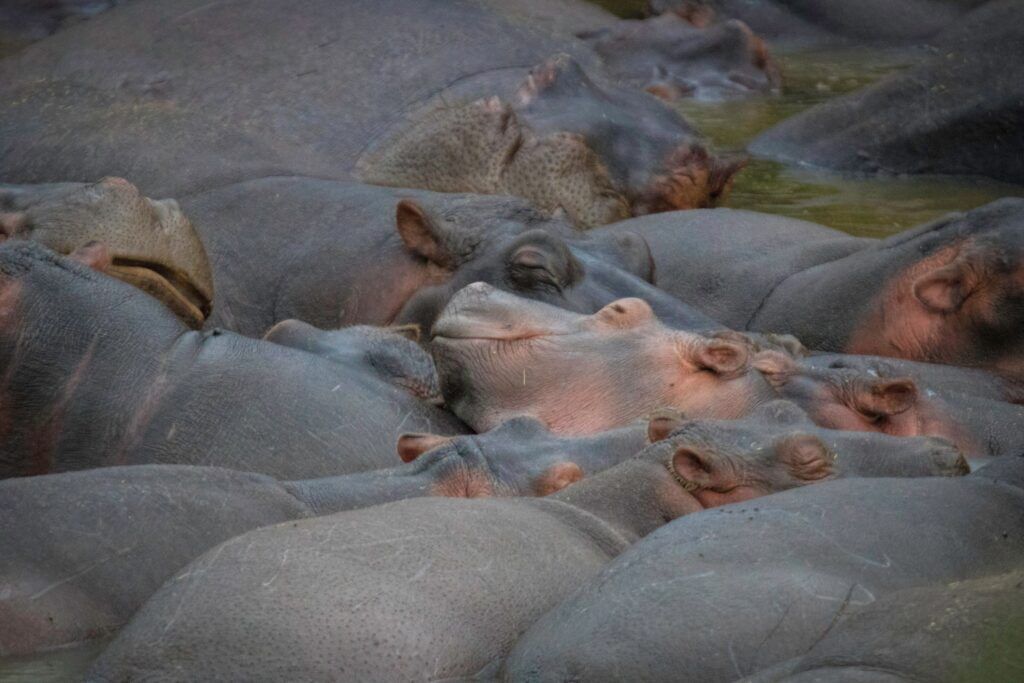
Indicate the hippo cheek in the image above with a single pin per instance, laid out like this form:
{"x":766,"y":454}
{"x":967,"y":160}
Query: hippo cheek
{"x":690,"y":179}
{"x":169,"y":286}
{"x":463,"y":482}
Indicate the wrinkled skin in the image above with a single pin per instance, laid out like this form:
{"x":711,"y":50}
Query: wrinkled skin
{"x":97,"y":374}
{"x":777,"y":448}
{"x":948,"y":292}
{"x":152,"y":243}
{"x":335,"y":254}
{"x":156,"y":518}
{"x":770,"y":578}
{"x":405,"y":588}
{"x":968,"y":630}
{"x":829,"y":22}
{"x":671,"y":57}
{"x":883,"y":400}
{"x":426,"y":95}
{"x":972,"y":89}
{"x":500,"y":356}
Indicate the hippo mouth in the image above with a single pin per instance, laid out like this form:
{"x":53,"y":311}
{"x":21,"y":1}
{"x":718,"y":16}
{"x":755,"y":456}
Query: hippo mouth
{"x":169,"y":286}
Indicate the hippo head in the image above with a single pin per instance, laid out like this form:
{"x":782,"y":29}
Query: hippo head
{"x":541,"y":260}
{"x":681,"y":54}
{"x":391,"y":352}
{"x":151,"y":243}
{"x":500,"y":356}
{"x":519,"y":457}
{"x":960,"y":300}
{"x":599,"y":154}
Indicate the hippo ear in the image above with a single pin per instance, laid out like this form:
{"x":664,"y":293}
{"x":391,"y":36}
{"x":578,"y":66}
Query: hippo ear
{"x":944,"y":289}
{"x":806,"y":457}
{"x":410,"y":331}
{"x":421,"y":234}
{"x":93,"y":254}
{"x":413,"y":445}
{"x":722,"y":357}
{"x":557,"y":477}
{"x":662,"y":424}
{"x":887,"y":396}
{"x":776,"y":367}
{"x":11,"y":223}
{"x":692,"y":467}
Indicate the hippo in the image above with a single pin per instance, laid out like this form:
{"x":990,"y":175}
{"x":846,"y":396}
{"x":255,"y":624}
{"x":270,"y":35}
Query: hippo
{"x":966,"y":630}
{"x":945,"y":292}
{"x":758,"y":583}
{"x":803,"y":23}
{"x":466,"y":96}
{"x":880,"y":398}
{"x":152,"y":244}
{"x":421,"y":589}
{"x":23,"y":22}
{"x":500,"y":356}
{"x":673,"y":56}
{"x":96,"y":373}
{"x":120,"y":532}
{"x":971,"y":89}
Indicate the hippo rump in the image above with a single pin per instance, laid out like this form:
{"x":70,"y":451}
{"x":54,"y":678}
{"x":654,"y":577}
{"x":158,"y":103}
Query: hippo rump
{"x":434,"y":589}
{"x":120,"y":532}
{"x":433,"y":95}
{"x":947,"y":292}
{"x":728,"y":592}
{"x":98,"y":373}
{"x":152,"y":244}
{"x":972,"y":93}
{"x":803,"y":22}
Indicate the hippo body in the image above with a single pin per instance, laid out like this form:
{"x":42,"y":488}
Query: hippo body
{"x":754,"y":584}
{"x":22,"y":22}
{"x":434,"y":95}
{"x":120,"y":532}
{"x":971,"y":90}
{"x":98,"y":373}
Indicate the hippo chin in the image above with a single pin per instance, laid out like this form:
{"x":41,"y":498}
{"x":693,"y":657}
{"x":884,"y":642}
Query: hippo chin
{"x":151,"y":244}
{"x":500,"y":356}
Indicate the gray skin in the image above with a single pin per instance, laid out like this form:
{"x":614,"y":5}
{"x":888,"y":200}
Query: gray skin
{"x":499,"y":356}
{"x":422,"y":589}
{"x":945,"y":292}
{"x":729,"y":592}
{"x":828,"y":22}
{"x":971,"y":89}
{"x":965,"y":631}
{"x":433,"y":95}
{"x":97,"y":374}
{"x":878,"y":397}
{"x":81,"y":551}
{"x":152,"y":244}
{"x":369,"y":252}
{"x":22,"y":22}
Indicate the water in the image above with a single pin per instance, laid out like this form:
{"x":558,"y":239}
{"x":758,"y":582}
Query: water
{"x":69,"y":664}
{"x":872,"y":206}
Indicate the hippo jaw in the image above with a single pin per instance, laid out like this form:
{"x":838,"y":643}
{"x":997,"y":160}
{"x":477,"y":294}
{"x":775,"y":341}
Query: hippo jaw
{"x":171,"y":287}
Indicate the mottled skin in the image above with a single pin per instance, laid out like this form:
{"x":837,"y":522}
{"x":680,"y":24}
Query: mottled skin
{"x":971,"y":90}
{"x":730,"y":591}
{"x":949,"y":292}
{"x":81,"y":551}
{"x":421,"y":589}
{"x":500,"y":356}
{"x":152,"y":243}
{"x":333,"y":253}
{"x":671,"y":57}
{"x":97,"y":373}
{"x":880,"y":398}
{"x":965,"y":630}
{"x":186,"y":109}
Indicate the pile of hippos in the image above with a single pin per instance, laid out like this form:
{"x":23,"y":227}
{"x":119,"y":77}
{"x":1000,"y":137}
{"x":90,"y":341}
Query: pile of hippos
{"x":442,"y":366}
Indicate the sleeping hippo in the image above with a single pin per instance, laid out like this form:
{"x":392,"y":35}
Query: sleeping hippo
{"x":500,"y":356}
{"x":730,"y":591}
{"x":120,"y":532}
{"x":437,"y":96}
{"x":880,"y":398}
{"x":945,"y":292}
{"x":429,"y":588}
{"x":97,"y":373}
{"x":152,"y":244}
